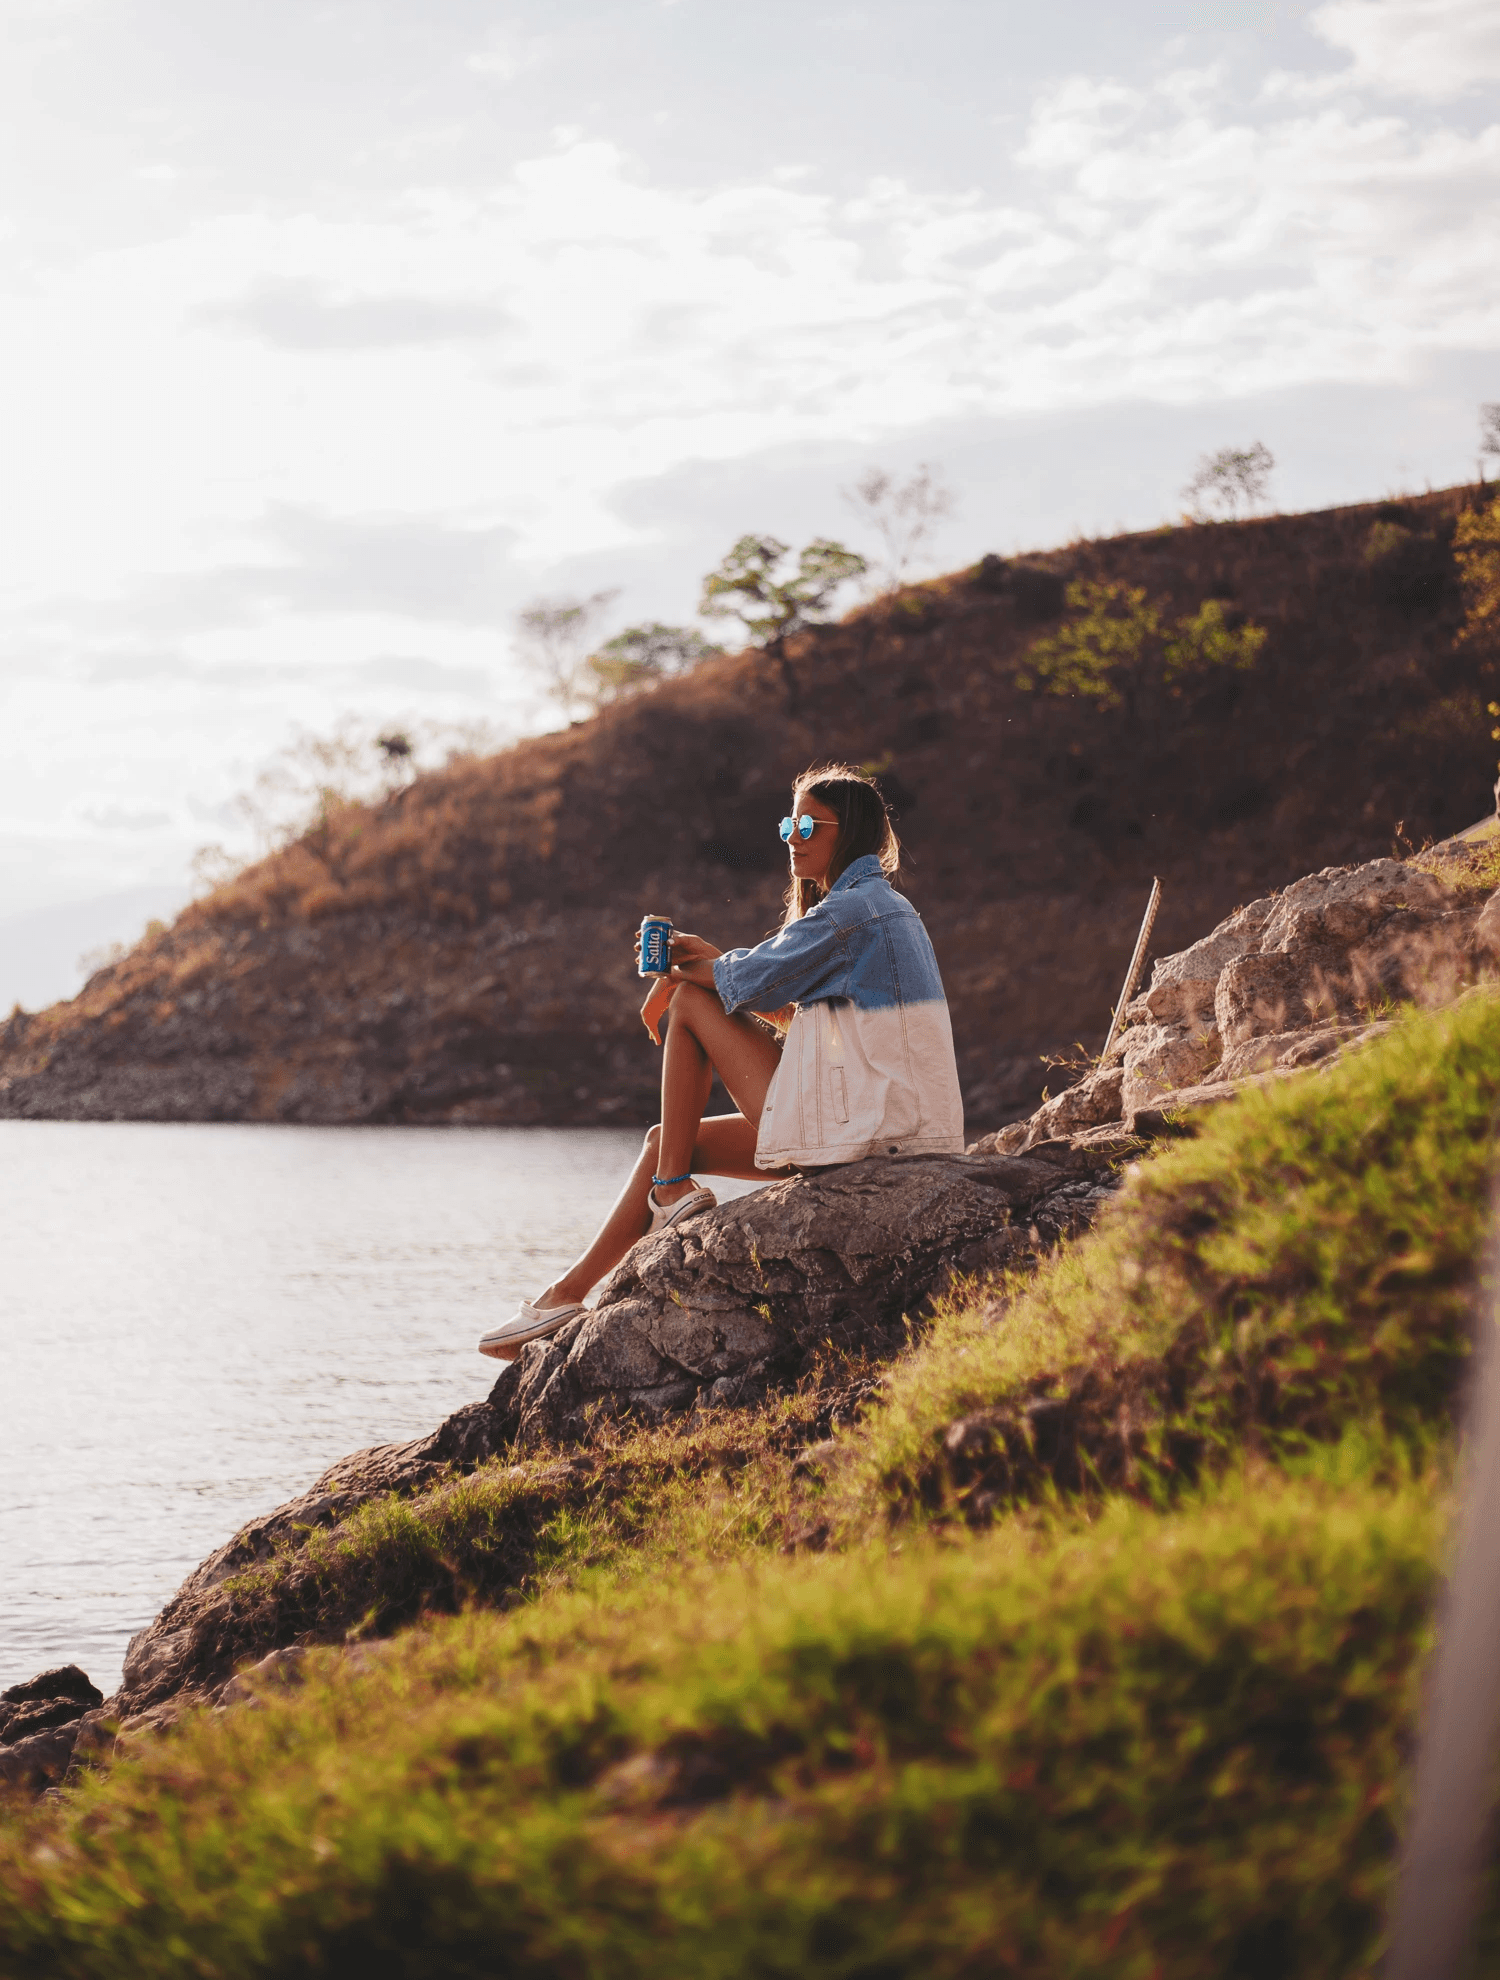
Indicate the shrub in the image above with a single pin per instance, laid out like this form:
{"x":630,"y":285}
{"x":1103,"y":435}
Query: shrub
{"x":1116,"y":647}
{"x":1409,"y":569}
{"x":1477,"y":551}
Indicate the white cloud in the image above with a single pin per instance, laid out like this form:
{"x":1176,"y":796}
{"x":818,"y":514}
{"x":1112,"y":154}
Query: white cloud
{"x":118,"y":818}
{"x":251,"y":463}
{"x":1426,"y":48}
{"x":365,"y":455}
{"x":506,"y":54}
{"x":1187,"y":251}
{"x":305,"y":316}
{"x":1154,"y":241}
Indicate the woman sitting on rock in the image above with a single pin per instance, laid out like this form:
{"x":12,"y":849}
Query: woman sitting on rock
{"x":866,"y":1067}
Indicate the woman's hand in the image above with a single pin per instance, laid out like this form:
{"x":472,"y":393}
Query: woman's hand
{"x":661,"y":993}
{"x":693,"y":960}
{"x":685,"y":948}
{"x":692,"y":949}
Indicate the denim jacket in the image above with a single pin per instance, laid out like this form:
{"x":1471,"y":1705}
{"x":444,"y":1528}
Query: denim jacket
{"x":868,"y":1067}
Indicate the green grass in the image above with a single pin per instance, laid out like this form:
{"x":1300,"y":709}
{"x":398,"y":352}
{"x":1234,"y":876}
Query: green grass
{"x":1299,"y":1270}
{"x":635,"y":1500}
{"x":1473,"y":865}
{"x":1168,"y":1746}
{"x":1107,"y":1664}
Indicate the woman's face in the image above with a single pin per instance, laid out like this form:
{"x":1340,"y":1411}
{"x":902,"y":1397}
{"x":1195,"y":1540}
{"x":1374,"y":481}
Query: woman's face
{"x":811,"y":858}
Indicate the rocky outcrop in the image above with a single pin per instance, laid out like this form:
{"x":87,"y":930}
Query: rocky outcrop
{"x":745,"y":1298}
{"x":45,"y":1701}
{"x":1284,"y":983}
{"x":40,"y":1724}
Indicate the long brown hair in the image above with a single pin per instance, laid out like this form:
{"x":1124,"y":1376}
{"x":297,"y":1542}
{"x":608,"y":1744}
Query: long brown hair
{"x":864,"y":827}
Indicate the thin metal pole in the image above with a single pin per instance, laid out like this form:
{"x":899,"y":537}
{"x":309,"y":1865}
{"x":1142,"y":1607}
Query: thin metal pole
{"x":1132,"y":975}
{"x":1444,"y":1855}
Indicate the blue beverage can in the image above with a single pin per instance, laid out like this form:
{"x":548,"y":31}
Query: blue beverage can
{"x":656,"y":945}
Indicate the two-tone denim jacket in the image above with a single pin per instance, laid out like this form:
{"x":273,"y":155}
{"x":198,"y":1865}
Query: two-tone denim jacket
{"x":868,"y":1067}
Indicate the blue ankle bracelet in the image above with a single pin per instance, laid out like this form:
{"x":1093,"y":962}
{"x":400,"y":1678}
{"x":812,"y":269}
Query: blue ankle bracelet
{"x":665,"y":1182}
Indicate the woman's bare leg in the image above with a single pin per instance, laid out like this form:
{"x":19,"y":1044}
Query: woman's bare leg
{"x":725,"y":1147}
{"x":700,"y":1038}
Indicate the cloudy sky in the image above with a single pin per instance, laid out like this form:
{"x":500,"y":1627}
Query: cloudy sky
{"x":333,"y":331}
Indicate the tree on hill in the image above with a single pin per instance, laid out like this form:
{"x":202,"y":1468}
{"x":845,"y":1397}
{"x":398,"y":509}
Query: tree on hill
{"x":1116,"y":647}
{"x":746,"y":586}
{"x":398,"y":757}
{"x":1232,"y":482}
{"x":641,"y":656}
{"x":554,"y":636}
{"x":311,"y":779}
{"x":902,"y":514}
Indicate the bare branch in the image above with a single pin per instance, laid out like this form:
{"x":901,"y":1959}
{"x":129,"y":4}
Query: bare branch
{"x":902,"y":514}
{"x":554,"y":636}
{"x":1232,"y":481}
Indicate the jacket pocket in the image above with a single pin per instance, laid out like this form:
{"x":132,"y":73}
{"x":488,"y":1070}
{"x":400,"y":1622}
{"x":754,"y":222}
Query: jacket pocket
{"x":838,"y":1085}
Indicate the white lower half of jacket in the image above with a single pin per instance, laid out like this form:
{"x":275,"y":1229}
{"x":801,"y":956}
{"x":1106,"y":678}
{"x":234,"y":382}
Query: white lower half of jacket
{"x":853,"y":1083}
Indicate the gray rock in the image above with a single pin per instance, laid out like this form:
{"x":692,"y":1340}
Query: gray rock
{"x":1168,"y":1113}
{"x":1095,"y":1100}
{"x":1284,"y":983}
{"x":1486,"y":936}
{"x":42,"y":1703}
{"x":1188,"y":1000}
{"x":1261,"y":996}
{"x":1341,"y":905}
{"x":42,"y":1760}
{"x":1293,"y":1049}
{"x":1159,"y":1057}
{"x":82,"y":1090}
{"x":280,"y":1667}
{"x":153,"y":1659}
{"x":64,"y":1681}
{"x":748,"y":1295}
{"x":1178,"y":981}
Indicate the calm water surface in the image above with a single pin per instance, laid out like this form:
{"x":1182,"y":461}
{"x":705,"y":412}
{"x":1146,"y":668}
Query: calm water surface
{"x":195,"y":1320}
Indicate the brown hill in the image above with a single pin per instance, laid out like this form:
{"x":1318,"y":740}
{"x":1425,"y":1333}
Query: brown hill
{"x":462,"y":953}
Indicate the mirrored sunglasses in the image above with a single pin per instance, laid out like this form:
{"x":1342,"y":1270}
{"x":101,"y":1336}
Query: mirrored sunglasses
{"x":804,"y":826}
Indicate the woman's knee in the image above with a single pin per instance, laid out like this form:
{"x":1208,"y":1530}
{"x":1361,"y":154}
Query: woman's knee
{"x":691,"y":1002}
{"x":652,"y":1145}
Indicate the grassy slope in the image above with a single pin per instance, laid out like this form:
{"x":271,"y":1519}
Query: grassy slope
{"x":1165,"y":1745}
{"x":1123,"y":1714}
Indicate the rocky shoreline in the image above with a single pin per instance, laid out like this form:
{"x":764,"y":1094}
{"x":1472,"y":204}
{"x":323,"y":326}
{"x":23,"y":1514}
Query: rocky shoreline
{"x":790,"y":1287}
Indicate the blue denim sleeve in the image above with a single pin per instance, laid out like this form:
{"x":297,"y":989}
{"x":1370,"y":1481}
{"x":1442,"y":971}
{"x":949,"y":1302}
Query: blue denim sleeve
{"x":805,"y":960}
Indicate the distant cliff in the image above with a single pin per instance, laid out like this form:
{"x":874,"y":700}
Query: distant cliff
{"x":462,"y":953}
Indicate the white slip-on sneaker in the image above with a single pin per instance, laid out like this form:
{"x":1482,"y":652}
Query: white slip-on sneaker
{"x":665,"y":1215}
{"x":531,"y":1323}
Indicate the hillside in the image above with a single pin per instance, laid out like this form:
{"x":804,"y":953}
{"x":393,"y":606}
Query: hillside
{"x":462,"y":953}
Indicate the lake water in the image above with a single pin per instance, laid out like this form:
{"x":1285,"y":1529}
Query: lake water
{"x":196,"y":1320}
